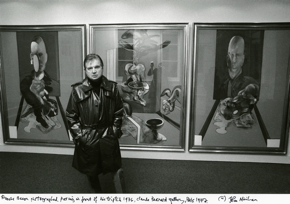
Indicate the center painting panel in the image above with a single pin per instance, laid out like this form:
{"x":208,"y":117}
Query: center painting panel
{"x":148,"y":63}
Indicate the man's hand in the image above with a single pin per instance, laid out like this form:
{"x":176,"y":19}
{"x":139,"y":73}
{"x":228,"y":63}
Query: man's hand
{"x":76,"y":141}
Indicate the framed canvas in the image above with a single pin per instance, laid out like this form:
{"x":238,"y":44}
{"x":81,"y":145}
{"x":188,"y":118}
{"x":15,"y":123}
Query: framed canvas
{"x":240,"y":88}
{"x":149,"y":63}
{"x":33,"y":110}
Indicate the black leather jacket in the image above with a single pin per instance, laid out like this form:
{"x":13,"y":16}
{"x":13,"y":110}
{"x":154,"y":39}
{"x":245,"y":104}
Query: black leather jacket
{"x":94,"y":117}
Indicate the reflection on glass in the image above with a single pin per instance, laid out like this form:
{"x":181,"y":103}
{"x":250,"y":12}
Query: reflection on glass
{"x":148,"y":64}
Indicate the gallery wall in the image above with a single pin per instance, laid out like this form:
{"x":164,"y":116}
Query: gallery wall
{"x":41,"y":12}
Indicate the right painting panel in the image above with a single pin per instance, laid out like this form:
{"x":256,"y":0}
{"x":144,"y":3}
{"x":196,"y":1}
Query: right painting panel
{"x":240,"y":88}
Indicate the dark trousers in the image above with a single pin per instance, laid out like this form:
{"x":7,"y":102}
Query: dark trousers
{"x":95,"y":183}
{"x":118,"y":180}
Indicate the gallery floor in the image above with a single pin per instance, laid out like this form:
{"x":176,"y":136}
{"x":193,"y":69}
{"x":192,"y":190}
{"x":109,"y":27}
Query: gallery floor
{"x":44,"y":173}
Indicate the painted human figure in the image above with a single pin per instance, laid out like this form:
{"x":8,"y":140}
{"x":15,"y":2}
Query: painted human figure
{"x":238,"y":93}
{"x":134,"y":85}
{"x":35,"y":86}
{"x":143,"y":44}
{"x":235,"y":80}
{"x":134,"y":72}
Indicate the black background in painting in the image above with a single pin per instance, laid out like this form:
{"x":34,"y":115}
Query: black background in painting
{"x":50,"y":39}
{"x":253,"y":55}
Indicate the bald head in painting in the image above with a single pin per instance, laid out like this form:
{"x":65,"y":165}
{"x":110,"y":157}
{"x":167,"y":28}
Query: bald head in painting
{"x":234,"y":79}
{"x":236,"y":56}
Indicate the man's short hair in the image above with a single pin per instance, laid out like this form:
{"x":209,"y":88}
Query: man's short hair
{"x":91,"y":57}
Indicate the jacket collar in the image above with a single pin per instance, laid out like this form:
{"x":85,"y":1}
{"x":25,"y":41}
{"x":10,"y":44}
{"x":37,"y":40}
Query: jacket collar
{"x":86,"y":86}
{"x":84,"y":89}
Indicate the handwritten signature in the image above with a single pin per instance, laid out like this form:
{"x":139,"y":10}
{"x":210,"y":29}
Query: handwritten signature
{"x":234,"y":199}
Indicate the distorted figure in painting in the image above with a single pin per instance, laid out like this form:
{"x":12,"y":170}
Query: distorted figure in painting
{"x":143,"y":43}
{"x":35,"y":87}
{"x":134,"y":87}
{"x":238,"y":93}
{"x":94,"y":113}
{"x":235,"y":80}
{"x":168,"y":105}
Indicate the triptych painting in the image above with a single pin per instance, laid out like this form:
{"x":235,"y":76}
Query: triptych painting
{"x":224,"y":88}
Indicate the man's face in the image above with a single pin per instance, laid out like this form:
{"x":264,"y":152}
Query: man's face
{"x":236,"y":55}
{"x":94,"y":69}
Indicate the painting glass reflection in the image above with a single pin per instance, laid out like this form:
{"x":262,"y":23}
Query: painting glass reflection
{"x":148,"y":63}
{"x":241,"y":88}
{"x":39,"y":65}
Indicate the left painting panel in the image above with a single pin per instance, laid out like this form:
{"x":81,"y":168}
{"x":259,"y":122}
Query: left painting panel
{"x":38,"y":66}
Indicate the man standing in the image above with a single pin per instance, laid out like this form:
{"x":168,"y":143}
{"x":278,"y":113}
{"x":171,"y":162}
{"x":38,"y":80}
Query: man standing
{"x":235,"y":80}
{"x":94,"y":115}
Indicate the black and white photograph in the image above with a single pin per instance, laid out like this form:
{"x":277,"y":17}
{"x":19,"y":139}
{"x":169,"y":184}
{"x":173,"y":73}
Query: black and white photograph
{"x":141,"y":101}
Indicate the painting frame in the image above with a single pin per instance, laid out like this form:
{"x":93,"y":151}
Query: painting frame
{"x":117,"y":35}
{"x":60,"y":42}
{"x":210,"y":133}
